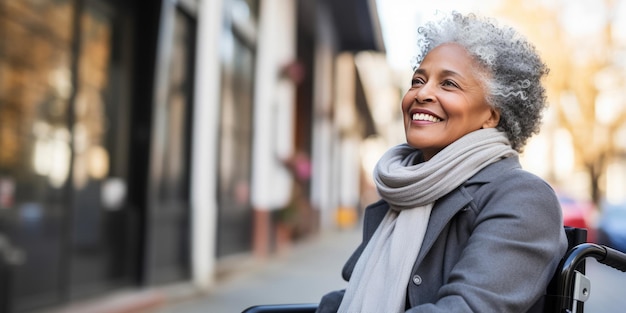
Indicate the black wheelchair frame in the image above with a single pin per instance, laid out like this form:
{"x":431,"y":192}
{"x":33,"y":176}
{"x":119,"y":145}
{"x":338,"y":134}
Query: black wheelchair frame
{"x":566,"y":293}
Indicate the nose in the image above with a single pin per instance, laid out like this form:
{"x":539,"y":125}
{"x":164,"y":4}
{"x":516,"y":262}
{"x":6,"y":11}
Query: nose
{"x":425,"y":93}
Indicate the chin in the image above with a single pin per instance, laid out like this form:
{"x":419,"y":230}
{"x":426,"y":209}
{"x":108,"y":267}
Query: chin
{"x":412,"y":144}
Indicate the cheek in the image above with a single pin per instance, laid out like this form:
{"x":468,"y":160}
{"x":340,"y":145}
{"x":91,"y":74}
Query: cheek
{"x":482,"y":113}
{"x":406,"y":101}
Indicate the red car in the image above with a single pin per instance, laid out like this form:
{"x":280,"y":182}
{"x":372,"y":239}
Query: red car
{"x":578,"y":213}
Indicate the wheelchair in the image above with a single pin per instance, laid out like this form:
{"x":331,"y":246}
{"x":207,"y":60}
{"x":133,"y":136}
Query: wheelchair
{"x":566,"y":293}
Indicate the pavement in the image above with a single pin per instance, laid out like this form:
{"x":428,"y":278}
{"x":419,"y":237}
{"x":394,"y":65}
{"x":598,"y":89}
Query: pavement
{"x":303,"y":274}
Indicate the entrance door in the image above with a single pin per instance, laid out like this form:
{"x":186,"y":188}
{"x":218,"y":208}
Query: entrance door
{"x":168,"y":255}
{"x":103,"y":227}
{"x":235,"y":147}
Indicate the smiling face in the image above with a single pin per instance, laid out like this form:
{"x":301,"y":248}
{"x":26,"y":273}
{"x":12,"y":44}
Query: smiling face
{"x":446,"y":100}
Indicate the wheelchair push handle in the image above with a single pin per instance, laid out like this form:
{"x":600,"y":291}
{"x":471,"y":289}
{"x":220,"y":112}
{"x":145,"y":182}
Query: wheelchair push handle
{"x":614,"y":258}
{"x":603,"y":254}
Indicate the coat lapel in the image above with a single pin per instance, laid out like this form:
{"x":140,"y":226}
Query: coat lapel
{"x":442,"y":213}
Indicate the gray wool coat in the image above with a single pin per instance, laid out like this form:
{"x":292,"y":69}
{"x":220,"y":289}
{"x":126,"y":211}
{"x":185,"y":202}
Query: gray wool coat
{"x":492,"y":245}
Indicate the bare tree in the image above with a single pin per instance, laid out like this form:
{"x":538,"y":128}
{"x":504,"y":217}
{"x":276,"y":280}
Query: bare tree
{"x":577,"y":65}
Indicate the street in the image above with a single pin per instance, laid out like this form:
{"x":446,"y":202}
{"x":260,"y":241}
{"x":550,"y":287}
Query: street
{"x":313,"y":268}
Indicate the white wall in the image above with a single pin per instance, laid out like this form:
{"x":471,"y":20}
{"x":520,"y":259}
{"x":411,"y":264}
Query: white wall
{"x":273,"y":105}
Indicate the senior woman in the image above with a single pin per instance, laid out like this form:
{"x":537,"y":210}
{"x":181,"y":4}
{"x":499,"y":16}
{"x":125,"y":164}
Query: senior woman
{"x":461,"y":227}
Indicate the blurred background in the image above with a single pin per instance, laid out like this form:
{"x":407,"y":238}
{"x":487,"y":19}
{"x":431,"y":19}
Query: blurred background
{"x":145,"y":144}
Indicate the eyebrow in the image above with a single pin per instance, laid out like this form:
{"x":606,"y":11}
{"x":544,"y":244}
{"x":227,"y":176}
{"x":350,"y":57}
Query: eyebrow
{"x":444,"y":72}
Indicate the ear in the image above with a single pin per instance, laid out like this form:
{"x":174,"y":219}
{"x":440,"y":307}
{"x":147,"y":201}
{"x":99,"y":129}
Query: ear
{"x":493,"y":119}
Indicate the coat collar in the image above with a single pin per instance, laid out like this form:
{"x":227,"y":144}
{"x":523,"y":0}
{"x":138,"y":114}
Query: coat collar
{"x":493,"y":170}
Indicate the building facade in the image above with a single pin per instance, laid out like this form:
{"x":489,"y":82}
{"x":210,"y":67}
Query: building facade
{"x":145,"y":143}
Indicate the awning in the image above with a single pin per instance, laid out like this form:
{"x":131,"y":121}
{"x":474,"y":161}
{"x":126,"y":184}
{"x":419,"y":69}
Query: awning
{"x":357,"y":25}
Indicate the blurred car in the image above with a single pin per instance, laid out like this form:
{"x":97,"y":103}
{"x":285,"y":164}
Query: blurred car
{"x":612,"y":226}
{"x":578,"y":213}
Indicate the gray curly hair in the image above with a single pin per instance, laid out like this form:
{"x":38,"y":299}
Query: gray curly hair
{"x":514,"y":69}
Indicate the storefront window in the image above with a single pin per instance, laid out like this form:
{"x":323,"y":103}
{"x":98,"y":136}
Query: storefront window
{"x":57,"y":149}
{"x":91,"y":158}
{"x":35,"y":86}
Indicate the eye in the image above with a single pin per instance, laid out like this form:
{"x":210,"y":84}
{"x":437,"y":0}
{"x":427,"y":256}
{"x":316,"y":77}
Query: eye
{"x":449,"y":83}
{"x":417,"y":81}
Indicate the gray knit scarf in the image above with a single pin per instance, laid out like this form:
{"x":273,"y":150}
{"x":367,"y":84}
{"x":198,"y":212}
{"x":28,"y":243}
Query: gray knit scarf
{"x":381,"y":275}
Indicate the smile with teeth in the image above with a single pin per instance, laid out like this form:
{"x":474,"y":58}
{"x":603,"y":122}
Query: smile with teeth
{"x":425,"y":117}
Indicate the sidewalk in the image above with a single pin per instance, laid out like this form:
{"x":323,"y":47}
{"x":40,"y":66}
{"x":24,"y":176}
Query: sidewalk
{"x":302,"y":275}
